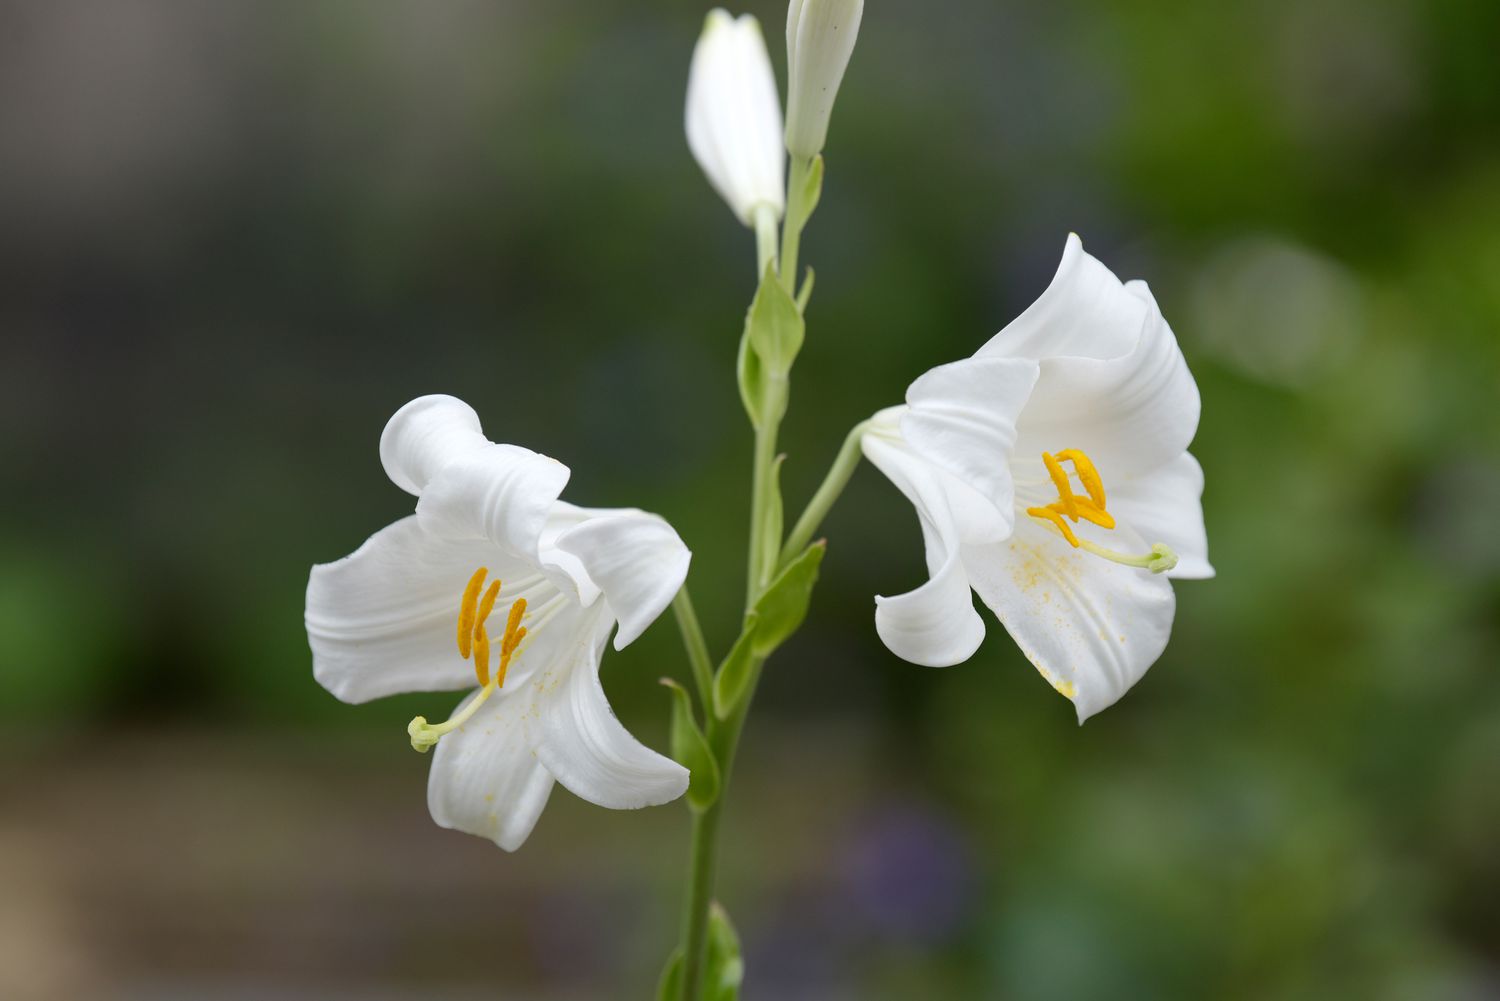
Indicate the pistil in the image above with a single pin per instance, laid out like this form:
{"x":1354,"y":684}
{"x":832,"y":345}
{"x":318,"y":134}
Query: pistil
{"x":474,"y":640}
{"x":1077,"y":507}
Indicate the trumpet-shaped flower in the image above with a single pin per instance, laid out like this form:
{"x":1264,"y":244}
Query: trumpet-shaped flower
{"x":734,"y":116}
{"x":820,"y":36}
{"x":1051,"y":476}
{"x":419,"y":608}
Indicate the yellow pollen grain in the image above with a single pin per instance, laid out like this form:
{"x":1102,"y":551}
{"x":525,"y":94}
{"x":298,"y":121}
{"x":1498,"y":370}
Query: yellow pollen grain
{"x":466,"y":610}
{"x":1060,"y":480}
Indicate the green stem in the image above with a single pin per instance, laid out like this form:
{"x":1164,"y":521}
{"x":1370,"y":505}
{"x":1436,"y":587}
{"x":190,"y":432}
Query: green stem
{"x":696,"y":646}
{"x":833,"y":485}
{"x":796,"y":218}
{"x":723,"y":739}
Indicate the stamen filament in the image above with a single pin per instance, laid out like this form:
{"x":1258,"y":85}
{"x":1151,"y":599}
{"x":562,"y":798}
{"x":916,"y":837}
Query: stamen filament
{"x":1160,"y":559}
{"x":424,"y":735}
{"x":1055,"y":519}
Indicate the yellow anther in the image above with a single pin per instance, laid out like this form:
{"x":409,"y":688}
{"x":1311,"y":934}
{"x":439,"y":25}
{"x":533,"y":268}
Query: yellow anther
{"x":1089,"y":512}
{"x":1060,"y":480}
{"x":481,"y":637}
{"x":1087,"y":474}
{"x":1055,"y":517}
{"x":481,"y":655}
{"x":487,"y":605}
{"x":1160,"y":559}
{"x":466,"y":611}
{"x":514,"y":634}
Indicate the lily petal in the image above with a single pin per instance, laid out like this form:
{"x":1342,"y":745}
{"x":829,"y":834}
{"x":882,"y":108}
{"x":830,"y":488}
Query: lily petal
{"x":1091,"y":627}
{"x":637,"y":560}
{"x":962,"y":417}
{"x":426,"y":435}
{"x":1166,"y":505}
{"x":502,"y":493}
{"x":934,"y":625}
{"x":381,"y":620}
{"x":1113,"y":381}
{"x":485,"y":780}
{"x":581,"y":742}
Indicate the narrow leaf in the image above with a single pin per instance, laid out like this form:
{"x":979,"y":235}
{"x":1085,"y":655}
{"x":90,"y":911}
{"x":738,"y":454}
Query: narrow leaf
{"x":806,"y":293}
{"x":670,"y":986}
{"x":752,"y":382}
{"x":690,"y":749}
{"x":737,"y":671}
{"x":774,"y":326}
{"x":726,"y":965}
{"x":780,"y":611}
{"x":812,"y":192}
{"x":771,"y":532}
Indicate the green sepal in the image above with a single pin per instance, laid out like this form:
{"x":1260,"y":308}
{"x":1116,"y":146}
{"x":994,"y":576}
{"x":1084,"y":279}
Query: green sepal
{"x":670,"y":986}
{"x":690,"y":750}
{"x":806,"y":293}
{"x":780,"y":611}
{"x":725,"y":970}
{"x":737,"y":671}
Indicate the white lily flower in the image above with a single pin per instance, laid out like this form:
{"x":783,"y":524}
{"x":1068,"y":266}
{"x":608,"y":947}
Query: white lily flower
{"x":382,"y":621}
{"x":734,"y":115}
{"x":820,"y":36}
{"x":1089,"y":377}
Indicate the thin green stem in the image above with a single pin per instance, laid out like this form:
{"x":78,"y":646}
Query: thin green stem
{"x":828,"y":493}
{"x":723,"y":739}
{"x":696,"y":646}
{"x":796,"y":217}
{"x":701,"y":867}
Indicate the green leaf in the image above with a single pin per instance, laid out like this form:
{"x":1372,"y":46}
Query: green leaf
{"x":737,"y":671}
{"x":772,"y":531}
{"x":774,"y":326}
{"x":752,"y":380}
{"x":806,"y":293}
{"x":670,"y":987}
{"x":726,"y":967}
{"x":780,"y":611}
{"x":776,"y":616}
{"x":812,"y":192}
{"x":690,"y":749}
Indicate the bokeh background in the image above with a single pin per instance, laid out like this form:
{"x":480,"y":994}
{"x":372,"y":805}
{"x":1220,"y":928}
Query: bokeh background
{"x":235,"y":236}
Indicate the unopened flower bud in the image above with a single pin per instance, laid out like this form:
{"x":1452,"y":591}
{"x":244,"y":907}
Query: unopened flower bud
{"x":820,"y":38}
{"x":734,"y":115}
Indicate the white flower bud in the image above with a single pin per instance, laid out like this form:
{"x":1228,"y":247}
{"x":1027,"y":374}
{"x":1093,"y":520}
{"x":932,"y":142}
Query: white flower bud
{"x":734,"y":115}
{"x":820,"y":38}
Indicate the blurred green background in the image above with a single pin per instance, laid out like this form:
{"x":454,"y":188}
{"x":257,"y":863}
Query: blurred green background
{"x":236,"y":236}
